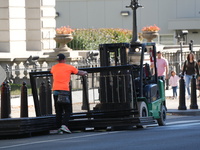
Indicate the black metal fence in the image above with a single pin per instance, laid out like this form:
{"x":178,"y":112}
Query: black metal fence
{"x":174,"y":59}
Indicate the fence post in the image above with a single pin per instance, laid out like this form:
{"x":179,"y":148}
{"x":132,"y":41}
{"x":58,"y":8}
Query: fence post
{"x":24,"y":101}
{"x":5,"y":101}
{"x":182,"y":95}
{"x":193,"y":104}
{"x":167,"y":84}
{"x":42,"y":98}
{"x":85,"y":105}
{"x":49,"y":98}
{"x":70,"y":87}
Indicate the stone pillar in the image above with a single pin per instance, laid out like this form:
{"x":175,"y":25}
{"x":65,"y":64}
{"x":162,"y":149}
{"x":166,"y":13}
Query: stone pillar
{"x":12,"y":28}
{"x":40,"y":24}
{"x":48,"y":24}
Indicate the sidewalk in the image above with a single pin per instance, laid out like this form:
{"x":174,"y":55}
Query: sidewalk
{"x":172,"y":105}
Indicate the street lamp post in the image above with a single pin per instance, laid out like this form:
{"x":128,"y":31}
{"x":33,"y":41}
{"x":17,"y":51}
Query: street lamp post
{"x":181,"y":48}
{"x":134,"y":6}
{"x":181,"y":36}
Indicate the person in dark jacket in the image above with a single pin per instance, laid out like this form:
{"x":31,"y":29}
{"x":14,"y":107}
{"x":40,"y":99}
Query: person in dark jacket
{"x":190,"y":68}
{"x":198,"y":79}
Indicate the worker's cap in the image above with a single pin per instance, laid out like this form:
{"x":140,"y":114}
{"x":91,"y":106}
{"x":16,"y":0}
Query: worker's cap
{"x":60,"y":56}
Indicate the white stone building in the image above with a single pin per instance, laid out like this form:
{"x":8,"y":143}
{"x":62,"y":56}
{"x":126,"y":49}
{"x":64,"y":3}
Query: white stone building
{"x":26,"y":28}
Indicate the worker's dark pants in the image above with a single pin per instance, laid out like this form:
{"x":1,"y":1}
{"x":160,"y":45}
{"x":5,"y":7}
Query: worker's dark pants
{"x":63,"y":112}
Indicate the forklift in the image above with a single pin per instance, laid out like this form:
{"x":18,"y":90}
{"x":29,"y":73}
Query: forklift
{"x":128,"y":89}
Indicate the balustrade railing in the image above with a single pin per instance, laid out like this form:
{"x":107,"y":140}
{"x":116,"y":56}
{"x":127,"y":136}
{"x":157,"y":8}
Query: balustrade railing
{"x":18,"y":72}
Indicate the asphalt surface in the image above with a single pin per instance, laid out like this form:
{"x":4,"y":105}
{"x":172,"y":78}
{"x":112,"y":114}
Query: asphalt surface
{"x":180,"y":133}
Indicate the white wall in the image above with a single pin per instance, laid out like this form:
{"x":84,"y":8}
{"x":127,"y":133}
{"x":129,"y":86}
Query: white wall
{"x":92,"y":13}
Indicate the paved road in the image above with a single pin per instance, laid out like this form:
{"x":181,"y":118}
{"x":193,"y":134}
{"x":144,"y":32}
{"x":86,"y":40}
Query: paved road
{"x":181,"y":133}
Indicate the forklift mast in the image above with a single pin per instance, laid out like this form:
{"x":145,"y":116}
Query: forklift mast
{"x":119,"y":54}
{"x":113,"y":54}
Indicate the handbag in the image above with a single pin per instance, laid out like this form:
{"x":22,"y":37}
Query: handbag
{"x":63,"y":98}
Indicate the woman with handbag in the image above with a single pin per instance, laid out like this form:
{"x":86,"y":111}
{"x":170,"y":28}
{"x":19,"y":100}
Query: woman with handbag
{"x":61,"y":78}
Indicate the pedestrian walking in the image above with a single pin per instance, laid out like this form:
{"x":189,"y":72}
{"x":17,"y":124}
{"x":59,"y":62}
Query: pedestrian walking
{"x":190,"y":68}
{"x":198,"y":79}
{"x":173,"y":82}
{"x":61,"y":79}
{"x":162,"y":67}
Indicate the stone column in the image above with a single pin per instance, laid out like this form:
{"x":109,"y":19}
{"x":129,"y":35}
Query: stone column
{"x":48,"y":24}
{"x":40,"y":26}
{"x":12,"y":28}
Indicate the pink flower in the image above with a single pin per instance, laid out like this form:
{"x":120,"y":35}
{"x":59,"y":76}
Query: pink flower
{"x":151,"y":28}
{"x":64,"y":30}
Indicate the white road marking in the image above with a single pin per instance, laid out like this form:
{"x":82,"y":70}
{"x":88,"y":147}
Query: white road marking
{"x":183,"y":126}
{"x":180,"y":122}
{"x":179,"y":125}
{"x":60,"y":139}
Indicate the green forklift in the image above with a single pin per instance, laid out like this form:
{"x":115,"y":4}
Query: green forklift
{"x":129,"y":88}
{"x":128,"y":91}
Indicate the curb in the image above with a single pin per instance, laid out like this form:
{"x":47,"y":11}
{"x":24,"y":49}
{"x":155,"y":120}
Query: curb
{"x":191,"y":112}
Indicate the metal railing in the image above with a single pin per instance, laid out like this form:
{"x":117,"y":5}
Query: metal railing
{"x":18,"y":73}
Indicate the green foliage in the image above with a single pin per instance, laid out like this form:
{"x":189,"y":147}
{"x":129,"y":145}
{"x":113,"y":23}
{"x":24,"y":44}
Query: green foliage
{"x":16,"y":89}
{"x":89,"y":39}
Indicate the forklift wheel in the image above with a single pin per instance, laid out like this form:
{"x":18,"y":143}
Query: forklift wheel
{"x":143,"y":111}
{"x":162,"y":119}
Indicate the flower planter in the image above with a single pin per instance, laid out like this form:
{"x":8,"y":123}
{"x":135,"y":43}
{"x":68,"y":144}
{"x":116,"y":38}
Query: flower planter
{"x":149,"y":35}
{"x":63,"y":39}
